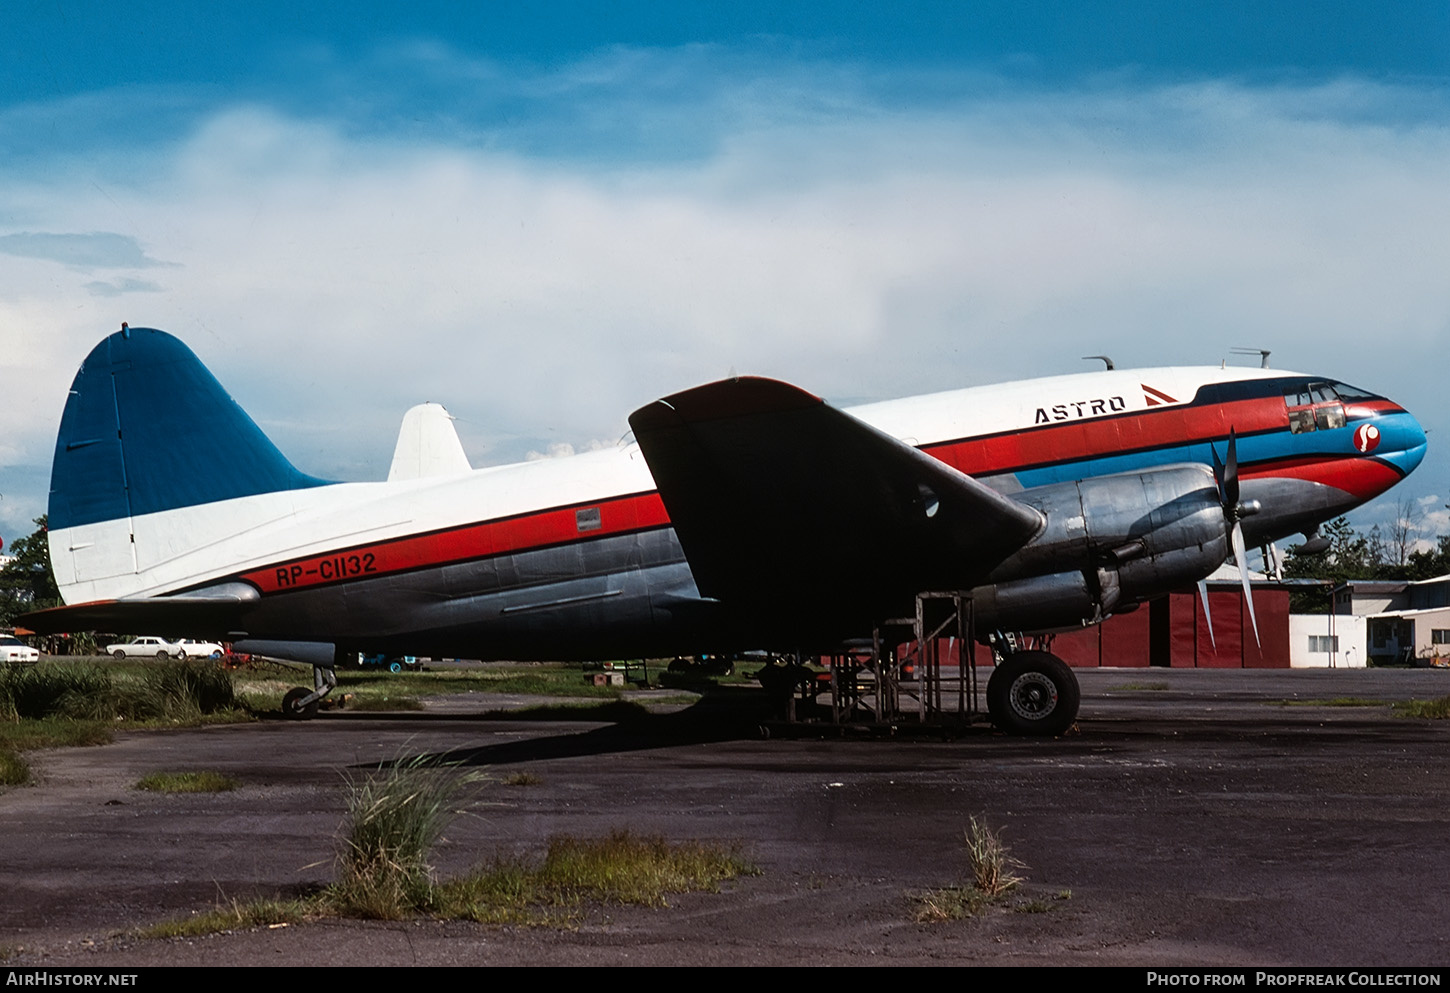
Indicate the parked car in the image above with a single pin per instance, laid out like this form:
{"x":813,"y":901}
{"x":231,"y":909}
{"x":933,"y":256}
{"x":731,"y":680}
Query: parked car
{"x":15,"y":650}
{"x":392,"y":663}
{"x":151,"y":646}
{"x":200,"y":649}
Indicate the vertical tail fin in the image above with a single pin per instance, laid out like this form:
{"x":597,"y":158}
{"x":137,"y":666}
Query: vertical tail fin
{"x":147,"y":429}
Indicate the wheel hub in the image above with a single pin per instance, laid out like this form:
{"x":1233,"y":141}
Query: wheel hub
{"x":1033,"y":696}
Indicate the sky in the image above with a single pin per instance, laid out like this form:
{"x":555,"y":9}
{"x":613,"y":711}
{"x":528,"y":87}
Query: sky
{"x":546,"y":215}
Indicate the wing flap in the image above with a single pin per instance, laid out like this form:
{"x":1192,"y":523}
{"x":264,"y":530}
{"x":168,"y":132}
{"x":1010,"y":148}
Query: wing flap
{"x":780,"y":499}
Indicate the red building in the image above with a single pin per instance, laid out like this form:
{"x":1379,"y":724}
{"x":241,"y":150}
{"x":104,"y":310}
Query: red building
{"x":1172,"y":631}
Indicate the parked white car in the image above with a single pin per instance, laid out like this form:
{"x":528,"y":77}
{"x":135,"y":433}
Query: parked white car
{"x":15,"y":650}
{"x":147,"y":647}
{"x":200,"y":649}
{"x":153,"y":647}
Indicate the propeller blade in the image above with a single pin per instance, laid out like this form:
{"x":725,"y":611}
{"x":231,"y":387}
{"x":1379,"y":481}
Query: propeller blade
{"x":1203,"y":595}
{"x":1241,"y":559}
{"x":1217,"y":471}
{"x":1231,"y":476}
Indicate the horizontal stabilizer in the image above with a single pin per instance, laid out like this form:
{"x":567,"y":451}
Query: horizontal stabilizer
{"x":196,"y":616}
{"x":781,"y":501}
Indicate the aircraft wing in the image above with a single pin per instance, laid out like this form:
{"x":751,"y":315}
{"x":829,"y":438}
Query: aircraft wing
{"x":781,"y":500}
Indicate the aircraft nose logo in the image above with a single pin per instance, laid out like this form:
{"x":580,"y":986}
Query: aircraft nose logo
{"x":1366,"y":438}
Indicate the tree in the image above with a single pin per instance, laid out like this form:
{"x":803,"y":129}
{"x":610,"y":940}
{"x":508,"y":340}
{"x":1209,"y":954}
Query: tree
{"x":27,"y":583}
{"x":1405,"y":531}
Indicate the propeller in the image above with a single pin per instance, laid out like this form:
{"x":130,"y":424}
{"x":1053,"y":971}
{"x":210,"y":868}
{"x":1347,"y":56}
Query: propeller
{"x":1227,"y":475}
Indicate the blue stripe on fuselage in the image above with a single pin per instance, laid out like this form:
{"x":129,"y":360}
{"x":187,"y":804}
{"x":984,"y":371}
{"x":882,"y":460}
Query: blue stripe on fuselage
{"x":1402,"y":445}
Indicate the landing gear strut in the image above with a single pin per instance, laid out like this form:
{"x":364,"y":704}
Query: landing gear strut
{"x":1033,"y":693}
{"x":300,"y":703}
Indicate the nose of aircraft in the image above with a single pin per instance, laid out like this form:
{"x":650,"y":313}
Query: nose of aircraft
{"x":1396,"y":438}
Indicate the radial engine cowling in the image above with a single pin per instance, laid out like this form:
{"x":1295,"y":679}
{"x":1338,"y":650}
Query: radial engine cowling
{"x":1109,"y":542}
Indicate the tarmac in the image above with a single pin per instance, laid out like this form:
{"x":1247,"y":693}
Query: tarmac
{"x":1191,"y":818}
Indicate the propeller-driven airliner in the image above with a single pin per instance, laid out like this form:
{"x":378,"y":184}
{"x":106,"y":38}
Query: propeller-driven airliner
{"x":745,"y":514}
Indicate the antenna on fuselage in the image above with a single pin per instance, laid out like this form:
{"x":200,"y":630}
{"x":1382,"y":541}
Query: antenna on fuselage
{"x":1106,"y":361}
{"x":1262,"y":353}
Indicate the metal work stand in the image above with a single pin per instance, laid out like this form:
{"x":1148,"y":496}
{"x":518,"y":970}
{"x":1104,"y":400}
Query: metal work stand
{"x":867,"y":685}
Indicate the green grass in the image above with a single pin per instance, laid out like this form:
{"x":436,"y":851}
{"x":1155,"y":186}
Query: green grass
{"x":170,"y":692}
{"x":620,"y":868}
{"x":522,"y":779}
{"x":14,"y":771}
{"x":52,"y":732}
{"x":187,"y":782}
{"x":1437,"y":709}
{"x":232,"y":917}
{"x":950,"y":903}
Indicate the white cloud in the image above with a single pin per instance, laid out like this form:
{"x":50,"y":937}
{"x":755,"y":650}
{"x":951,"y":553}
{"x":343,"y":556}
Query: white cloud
{"x":331,"y":281}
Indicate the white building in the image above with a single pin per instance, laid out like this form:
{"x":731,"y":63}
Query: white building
{"x":1386,"y":622}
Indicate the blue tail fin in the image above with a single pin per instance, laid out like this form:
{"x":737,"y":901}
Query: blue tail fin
{"x":147,"y":428}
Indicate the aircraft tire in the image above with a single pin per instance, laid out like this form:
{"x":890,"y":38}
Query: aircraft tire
{"x":291,"y":709}
{"x":1033,"y":693}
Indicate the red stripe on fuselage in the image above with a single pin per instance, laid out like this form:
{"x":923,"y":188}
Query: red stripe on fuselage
{"x":1068,"y":441}
{"x":1075,"y":440}
{"x":561,"y":525}
{"x":1361,"y":478}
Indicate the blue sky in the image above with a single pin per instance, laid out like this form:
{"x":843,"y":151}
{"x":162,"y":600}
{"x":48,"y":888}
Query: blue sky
{"x":545,"y":215}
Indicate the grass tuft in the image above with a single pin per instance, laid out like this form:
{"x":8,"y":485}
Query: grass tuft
{"x":394,"y":820}
{"x":991,"y":864}
{"x":1436,"y":710}
{"x":187,"y":782}
{"x":522,"y":779}
{"x":990,"y":860}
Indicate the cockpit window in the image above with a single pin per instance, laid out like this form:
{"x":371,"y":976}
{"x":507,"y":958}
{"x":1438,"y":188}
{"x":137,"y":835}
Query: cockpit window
{"x":1350,"y":394}
{"x":1310,"y":393}
{"x":1314,"y":406}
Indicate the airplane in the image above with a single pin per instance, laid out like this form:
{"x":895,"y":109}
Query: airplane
{"x":744,"y":514}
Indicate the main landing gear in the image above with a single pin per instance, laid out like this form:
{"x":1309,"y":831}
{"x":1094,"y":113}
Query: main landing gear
{"x":1032,"y":693}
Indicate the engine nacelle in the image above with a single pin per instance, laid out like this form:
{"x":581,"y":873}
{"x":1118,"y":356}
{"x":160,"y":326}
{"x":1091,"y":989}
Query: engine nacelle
{"x":1123,"y":538}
